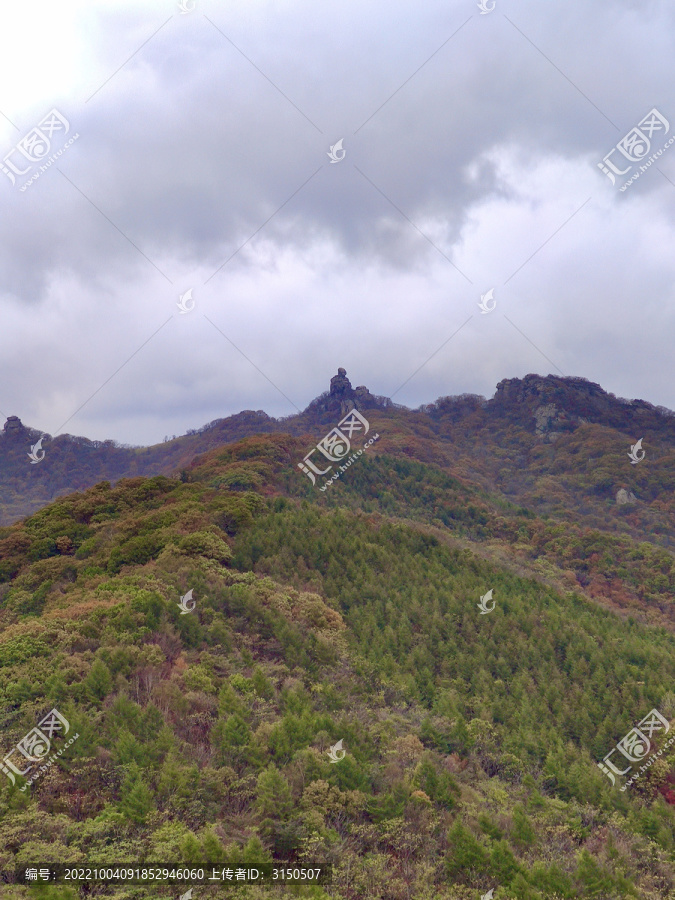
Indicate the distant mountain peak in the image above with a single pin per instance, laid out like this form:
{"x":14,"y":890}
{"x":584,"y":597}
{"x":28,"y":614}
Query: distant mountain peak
{"x":340,"y":385}
{"x":545,"y":388}
{"x":341,"y":398}
{"x":559,"y":403}
{"x":545,"y":407}
{"x":14,"y":427}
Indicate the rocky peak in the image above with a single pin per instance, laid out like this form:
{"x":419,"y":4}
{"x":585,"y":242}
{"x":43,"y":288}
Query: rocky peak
{"x":554,"y":404}
{"x":549,"y":389}
{"x":341,"y":398}
{"x":340,"y":385}
{"x":14,"y":427}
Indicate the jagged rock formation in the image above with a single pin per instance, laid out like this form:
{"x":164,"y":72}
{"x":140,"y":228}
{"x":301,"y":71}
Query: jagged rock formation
{"x":341,"y":399}
{"x":557,"y":404}
{"x":340,"y":384}
{"x":552,"y":402}
{"x":550,"y":422}
{"x":14,"y":427}
{"x":341,"y":392}
{"x":623,"y":496}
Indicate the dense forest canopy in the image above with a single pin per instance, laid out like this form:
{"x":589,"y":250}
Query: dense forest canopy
{"x":470,"y":742}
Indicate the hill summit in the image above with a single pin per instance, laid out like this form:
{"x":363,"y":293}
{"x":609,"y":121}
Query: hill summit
{"x":544,"y":407}
{"x":448,"y":676}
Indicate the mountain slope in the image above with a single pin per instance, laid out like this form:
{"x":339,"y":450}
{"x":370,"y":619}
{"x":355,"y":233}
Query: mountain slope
{"x":351,"y":614}
{"x":560,"y":445}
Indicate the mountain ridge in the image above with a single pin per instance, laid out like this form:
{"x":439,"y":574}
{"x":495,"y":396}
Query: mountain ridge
{"x":472,"y":735}
{"x":546,"y":406}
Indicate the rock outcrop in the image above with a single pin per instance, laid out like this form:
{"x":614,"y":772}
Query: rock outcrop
{"x":624,"y":496}
{"x":552,"y":405}
{"x":549,"y":422}
{"x":341,"y":399}
{"x":14,"y":427}
{"x":341,"y":392}
{"x":546,"y":407}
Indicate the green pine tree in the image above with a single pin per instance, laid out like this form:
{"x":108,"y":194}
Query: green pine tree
{"x":595,"y":880}
{"x":274,"y":797}
{"x":191,"y":850}
{"x":99,"y":681}
{"x":523,"y":832}
{"x":136,"y":798}
{"x":467,"y":856}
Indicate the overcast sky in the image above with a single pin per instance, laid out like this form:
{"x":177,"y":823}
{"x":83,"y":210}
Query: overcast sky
{"x":471,"y":146}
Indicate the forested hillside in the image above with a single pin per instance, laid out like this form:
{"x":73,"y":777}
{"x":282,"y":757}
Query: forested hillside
{"x":472,"y":740}
{"x":557,"y":445}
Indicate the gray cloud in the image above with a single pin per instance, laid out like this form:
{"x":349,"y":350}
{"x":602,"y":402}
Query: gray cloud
{"x":192,"y":153}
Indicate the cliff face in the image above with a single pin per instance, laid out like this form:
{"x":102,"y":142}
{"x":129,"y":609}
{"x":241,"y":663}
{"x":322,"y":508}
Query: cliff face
{"x":554,"y":405}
